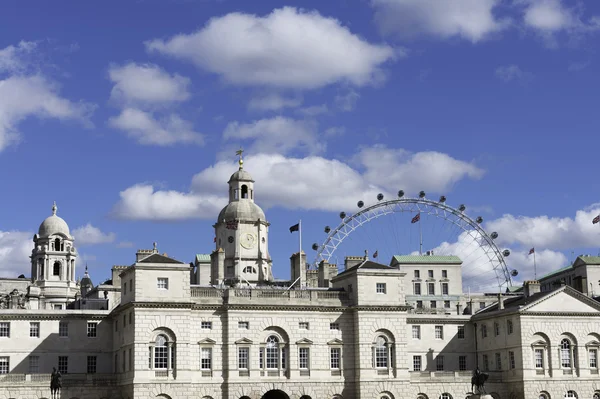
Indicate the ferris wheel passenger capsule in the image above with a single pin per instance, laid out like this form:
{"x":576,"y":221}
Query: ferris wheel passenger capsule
{"x":494,"y":235}
{"x":506,"y":252}
{"x":462,"y":207}
{"x":400,"y":193}
{"x":379,"y":197}
{"x":327,"y":229}
{"x":443,"y":199}
{"x":360,"y":204}
{"x":514,"y":273}
{"x":342,"y":215}
{"x":479,"y":219}
{"x":315,"y":246}
{"x":422,"y":194}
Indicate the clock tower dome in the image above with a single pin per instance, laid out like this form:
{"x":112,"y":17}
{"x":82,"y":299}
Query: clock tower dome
{"x":242,"y":235}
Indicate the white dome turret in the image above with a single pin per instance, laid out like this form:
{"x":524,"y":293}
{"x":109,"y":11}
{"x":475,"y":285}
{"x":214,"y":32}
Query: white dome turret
{"x":54,"y":225}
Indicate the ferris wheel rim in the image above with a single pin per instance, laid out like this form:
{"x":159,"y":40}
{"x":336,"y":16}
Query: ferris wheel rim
{"x":345,"y":229}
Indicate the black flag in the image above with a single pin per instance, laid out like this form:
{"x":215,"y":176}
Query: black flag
{"x":295,"y":227}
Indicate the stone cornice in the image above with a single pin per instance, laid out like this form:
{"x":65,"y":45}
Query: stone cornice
{"x":560,"y":314}
{"x":51,"y":315}
{"x":437,"y":320}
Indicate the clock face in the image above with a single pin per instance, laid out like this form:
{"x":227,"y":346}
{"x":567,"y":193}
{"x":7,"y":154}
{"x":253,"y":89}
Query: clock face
{"x":248,"y":241}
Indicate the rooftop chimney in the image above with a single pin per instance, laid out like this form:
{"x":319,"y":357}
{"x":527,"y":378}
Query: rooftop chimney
{"x":500,"y":302}
{"x":531,"y":287}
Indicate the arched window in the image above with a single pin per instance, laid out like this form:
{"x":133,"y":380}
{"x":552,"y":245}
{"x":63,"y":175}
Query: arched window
{"x":161,"y":353}
{"x":381,"y":353}
{"x":571,"y":394}
{"x":305,"y":397}
{"x":273,"y":356}
{"x":244,"y":191}
{"x":272,"y":352}
{"x":249,"y":269}
{"x":565,"y":353}
{"x":596,"y":395}
{"x":57,"y":245}
{"x":544,"y":395}
{"x":56,"y":269}
{"x":445,"y":395}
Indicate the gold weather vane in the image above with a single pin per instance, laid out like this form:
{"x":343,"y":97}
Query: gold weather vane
{"x":241,"y":161}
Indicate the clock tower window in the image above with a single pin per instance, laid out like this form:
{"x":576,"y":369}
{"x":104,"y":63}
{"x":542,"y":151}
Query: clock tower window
{"x":56,"y":269}
{"x":245,"y":191}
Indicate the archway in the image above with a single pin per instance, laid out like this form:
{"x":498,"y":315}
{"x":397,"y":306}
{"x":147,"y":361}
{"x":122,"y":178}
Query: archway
{"x":275,"y":394}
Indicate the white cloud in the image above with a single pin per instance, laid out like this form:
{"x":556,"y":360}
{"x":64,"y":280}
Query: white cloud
{"x":15,"y":250}
{"x":147,"y":130}
{"x":273,"y":102}
{"x":12,"y":58}
{"x":549,"y":232}
{"x":277,"y":135}
{"x":142,"y":202}
{"x":579,"y":66}
{"x":90,"y":235}
{"x":289,"y":48}
{"x":347,"y":102}
{"x":512,"y":72}
{"x":313,"y":110}
{"x":146,"y":83}
{"x":25,"y":96}
{"x":473,"y":20}
{"x":311,"y":183}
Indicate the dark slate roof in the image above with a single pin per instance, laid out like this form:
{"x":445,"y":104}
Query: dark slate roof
{"x":158,"y":258}
{"x":516,"y":302}
{"x":369,"y":265}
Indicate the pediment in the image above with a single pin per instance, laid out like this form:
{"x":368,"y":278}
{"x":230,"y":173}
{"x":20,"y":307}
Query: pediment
{"x":539,"y":343}
{"x":243,"y":341}
{"x":207,"y":341}
{"x":564,"y":301}
{"x":335,"y":341}
{"x":304,"y":341}
{"x":593,"y":343}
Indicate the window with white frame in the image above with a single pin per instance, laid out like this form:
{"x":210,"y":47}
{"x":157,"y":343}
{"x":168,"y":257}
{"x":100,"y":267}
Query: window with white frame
{"x":509,"y":327}
{"x":272,"y":352}
{"x":4,"y":364}
{"x":439,"y":332}
{"x":445,"y":289}
{"x":511,"y":360}
{"x":334,"y":326}
{"x":162,"y":283}
{"x":5,"y":329}
{"x":416,"y":332}
{"x":538,"y":356}
{"x":439,"y":363}
{"x":380,"y":288}
{"x":206,"y":325}
{"x":433,"y":304}
{"x":571,"y":394}
{"x":34,"y":329}
{"x":335,"y":356}
{"x":447,"y":304}
{"x":416,"y":363}
{"x":486,"y":362}
{"x":566,"y":352}
{"x":417,"y":289}
{"x":92,"y":362}
{"x":462,"y":363}
{"x":417,"y":274}
{"x":430,"y":288}
{"x":303,"y":358}
{"x":430,"y":273}
{"x":481,"y":305}
{"x":444,"y":273}
{"x":92,"y":329}
{"x":303,"y":325}
{"x":243,"y":358}
{"x":483,"y":331}
{"x":243,"y":325}
{"x":205,"y":359}
{"x":498,"y":362}
{"x":461,"y":332}
{"x":63,"y":364}
{"x":381,"y":353}
{"x":34,"y":364}
{"x":63,"y":329}
{"x":593,"y":357}
{"x":161,"y":353}
{"x":496,"y":329}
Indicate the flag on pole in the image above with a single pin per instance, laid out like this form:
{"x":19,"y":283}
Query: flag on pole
{"x":295,"y":227}
{"x":375,"y":254}
{"x":596,"y":219}
{"x":531,"y":251}
{"x":215,"y":239}
{"x":416,"y":218}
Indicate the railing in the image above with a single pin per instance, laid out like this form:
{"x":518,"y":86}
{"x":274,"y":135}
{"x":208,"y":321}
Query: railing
{"x":431,"y":311}
{"x":67,"y":379}
{"x":206,"y":292}
{"x":462,"y":375}
{"x":232,"y":294}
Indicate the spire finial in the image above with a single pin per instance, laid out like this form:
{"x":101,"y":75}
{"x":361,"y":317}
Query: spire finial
{"x":54,"y":208}
{"x":241,"y":161}
{"x":366,"y":254}
{"x":155,"y":244}
{"x":86,"y":268}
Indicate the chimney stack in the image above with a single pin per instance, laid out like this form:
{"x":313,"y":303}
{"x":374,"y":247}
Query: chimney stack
{"x":500,"y":302}
{"x":531,"y":287}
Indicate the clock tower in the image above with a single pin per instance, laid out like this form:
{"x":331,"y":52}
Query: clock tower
{"x":242,"y":235}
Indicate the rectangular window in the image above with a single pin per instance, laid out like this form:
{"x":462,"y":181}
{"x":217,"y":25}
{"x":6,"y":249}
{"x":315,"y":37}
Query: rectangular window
{"x":417,"y":289}
{"x":334,"y":326}
{"x":486,"y":363}
{"x":416,"y":332}
{"x":498,"y":362}
{"x":334,"y":358}
{"x":34,"y":364}
{"x":593,"y":358}
{"x":5,"y":329}
{"x":509,"y":327}
{"x":206,"y":359}
{"x":4,"y":364}
{"x":417,"y":274}
{"x":123,"y":361}
{"x":511,"y":359}
{"x":439,"y":363}
{"x":34,"y":329}
{"x":481,"y":305}
{"x":444,"y":273}
{"x":380,"y":287}
{"x":57,"y":307}
{"x":483,"y":331}
{"x":496,"y":329}
{"x":130,"y":317}
{"x":303,"y":354}
{"x":243,"y":325}
{"x":125,"y":287}
{"x":416,"y":363}
{"x":63,"y":364}
{"x":243,"y":355}
{"x":439,"y":332}
{"x":447,"y":304}
{"x":130,"y":285}
{"x":124,"y":320}
{"x":433,"y":304}
{"x":444,"y":288}
{"x":92,"y":330}
{"x":419,"y":304}
{"x":162,"y":283}
{"x":539,"y":358}
{"x":206,"y":325}
{"x":462,"y":362}
{"x":303,"y":325}
{"x":116,"y":324}
{"x":91,"y":364}
{"x":461,"y":332}
{"x":63,"y":329}
{"x":130,"y":359}
{"x":430,"y":273}
{"x":430,"y":288}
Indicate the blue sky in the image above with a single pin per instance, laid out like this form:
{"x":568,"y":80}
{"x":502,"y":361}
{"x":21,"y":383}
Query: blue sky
{"x":128,"y":114}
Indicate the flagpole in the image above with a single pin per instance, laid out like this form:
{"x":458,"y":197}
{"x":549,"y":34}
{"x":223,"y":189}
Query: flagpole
{"x":300,"y":236}
{"x":534,"y":267}
{"x":420,"y":237}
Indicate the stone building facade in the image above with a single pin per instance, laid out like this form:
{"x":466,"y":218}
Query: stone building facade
{"x":223,"y":328}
